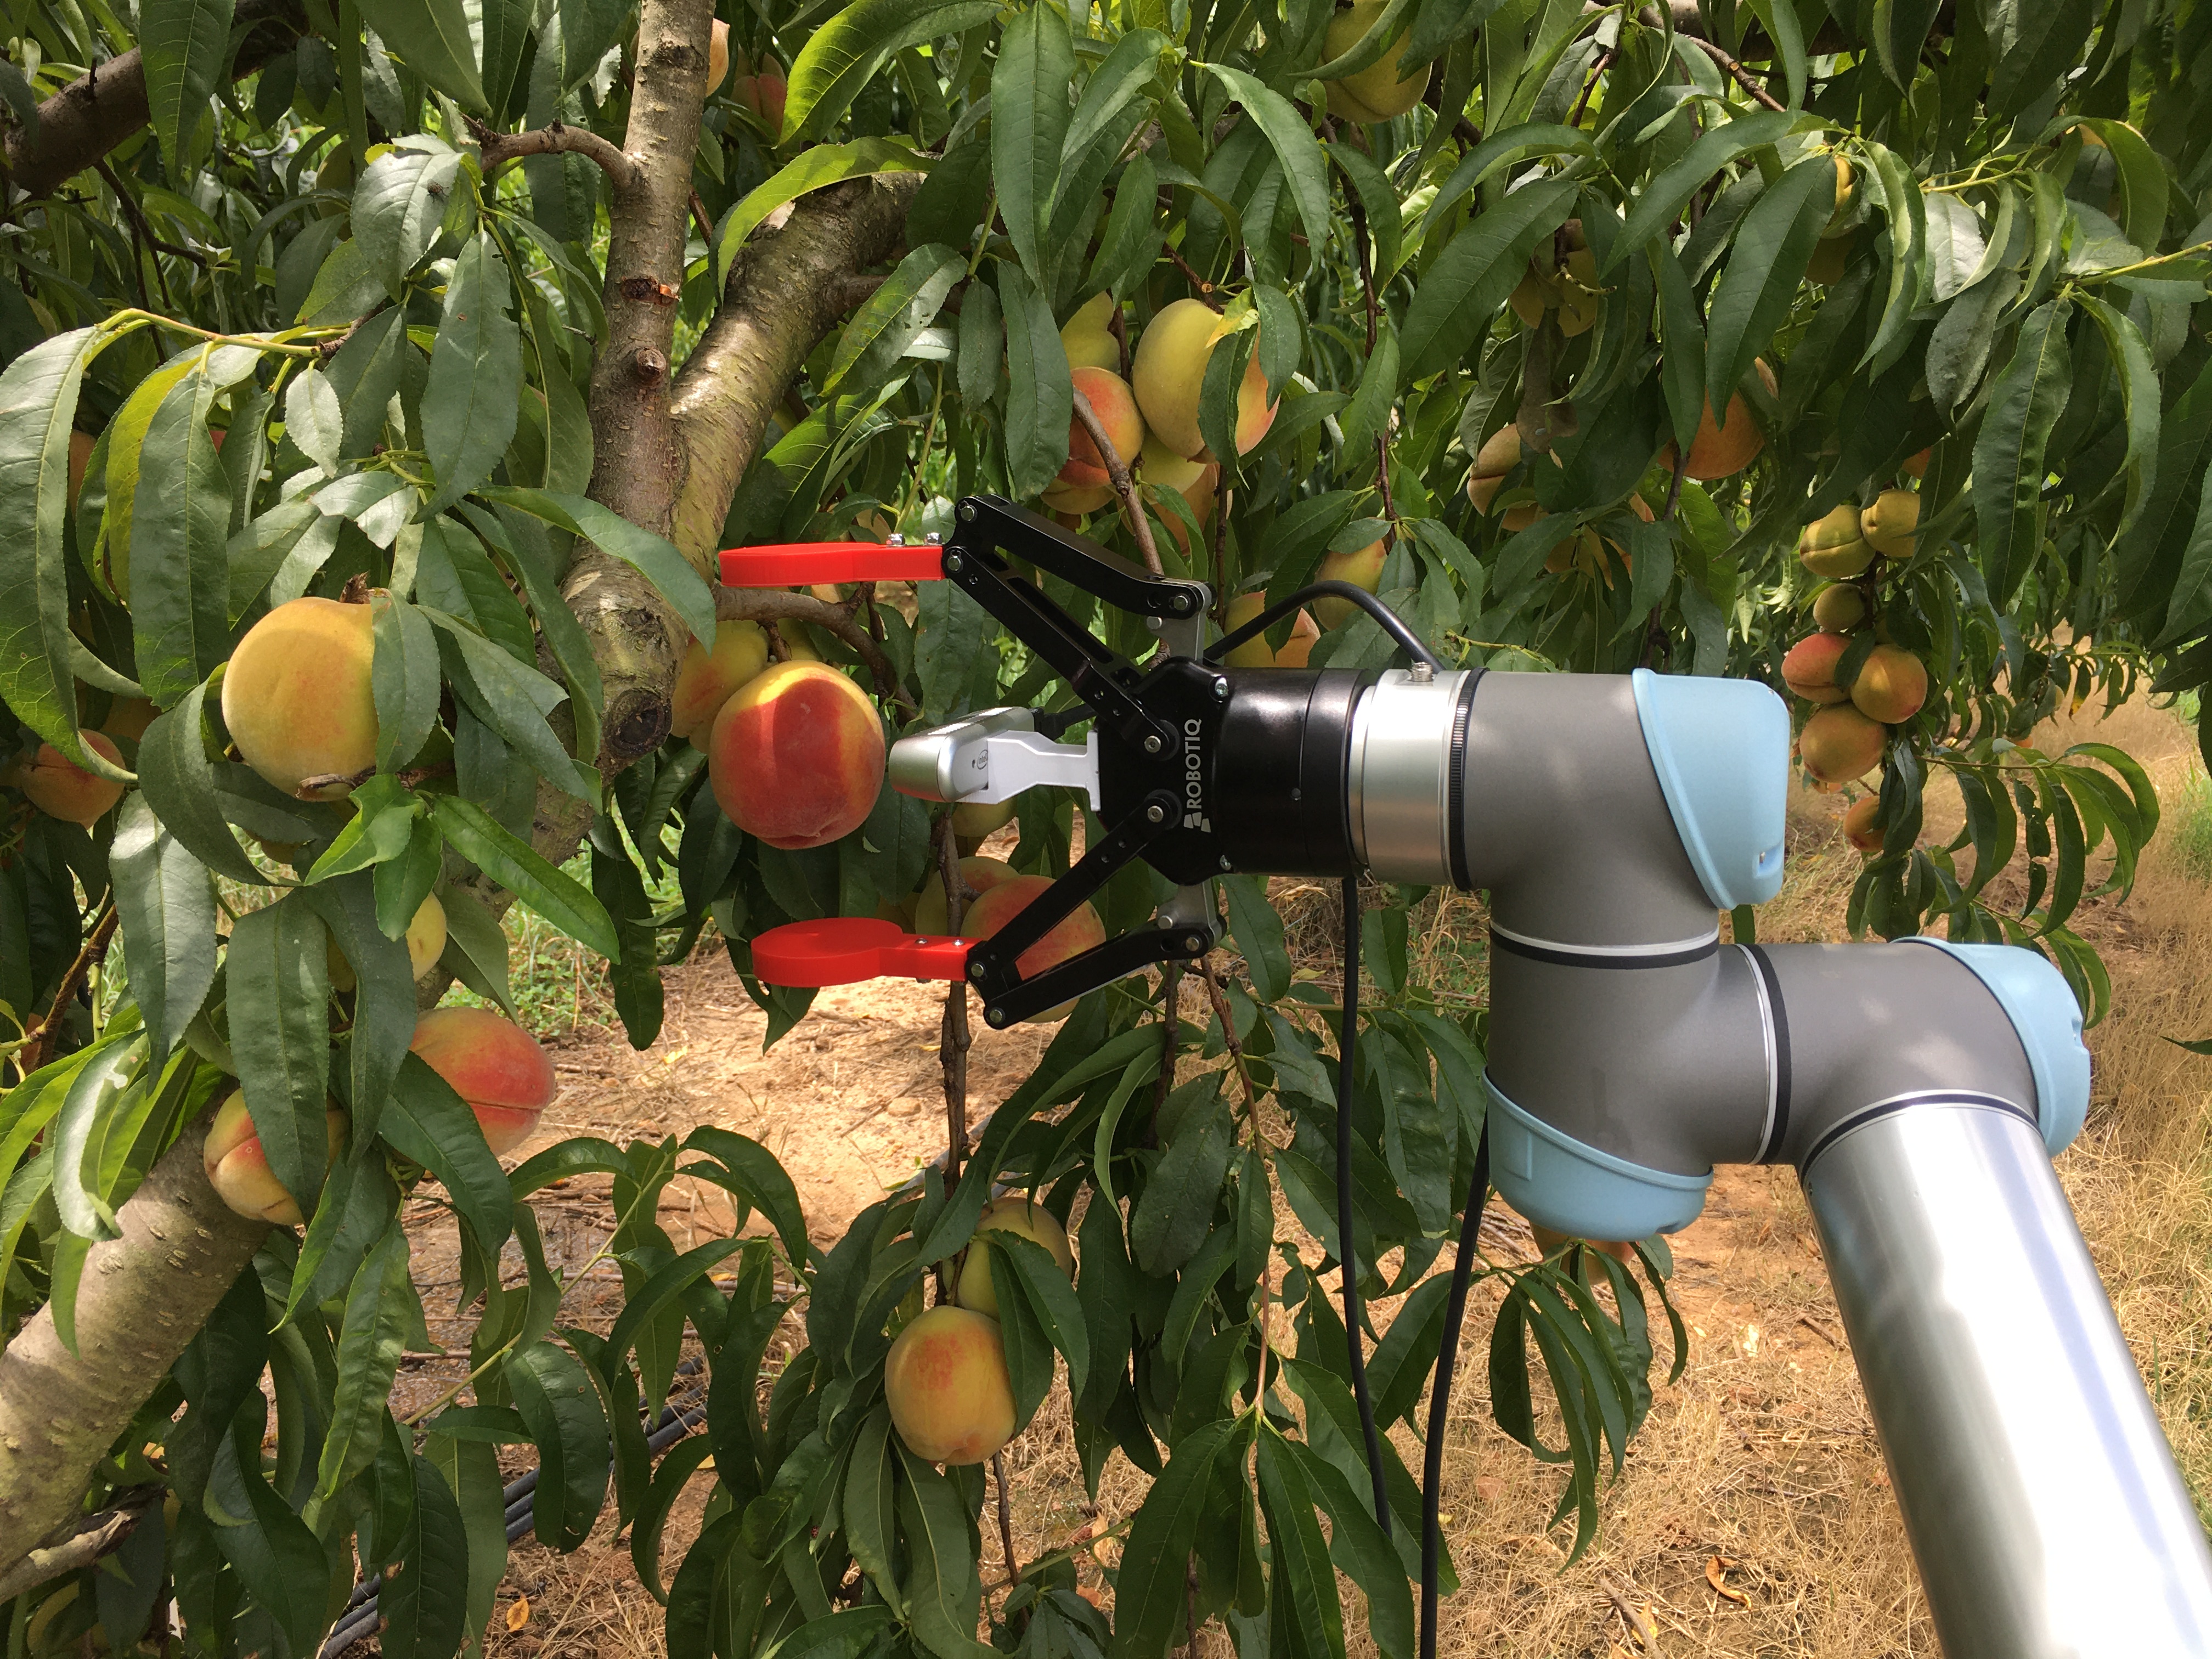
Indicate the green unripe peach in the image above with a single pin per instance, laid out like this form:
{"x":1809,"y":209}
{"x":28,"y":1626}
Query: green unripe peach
{"x":1362,"y":568}
{"x":1013,"y":1214}
{"x":706,"y":679}
{"x":1839,"y":608}
{"x":426,"y":943}
{"x":1890,"y":525}
{"x":1831,"y":545}
{"x":1376,"y":92}
{"x":1891,"y":686}
{"x":1169,"y":371}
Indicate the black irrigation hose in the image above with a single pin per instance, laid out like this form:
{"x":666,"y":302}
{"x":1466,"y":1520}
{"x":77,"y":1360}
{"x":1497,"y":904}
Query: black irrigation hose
{"x":1346,"y":1039}
{"x":1432,"y":1462}
{"x":1407,"y":640}
{"x":360,"y":1619}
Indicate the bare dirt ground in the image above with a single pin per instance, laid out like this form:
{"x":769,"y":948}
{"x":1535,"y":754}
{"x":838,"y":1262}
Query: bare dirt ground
{"x":1755,"y":1517}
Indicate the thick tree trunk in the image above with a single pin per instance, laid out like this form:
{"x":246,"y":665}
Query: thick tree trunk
{"x":143,"y":1297}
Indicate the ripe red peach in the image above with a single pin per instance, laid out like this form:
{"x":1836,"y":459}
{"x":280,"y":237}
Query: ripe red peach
{"x":1860,"y":825}
{"x":237,"y":1166}
{"x":491,"y":1063}
{"x":1809,"y":669}
{"x":297,"y":696}
{"x":946,"y":1383}
{"x":796,"y":756}
{"x":980,"y":875}
{"x":1014,"y":1213}
{"x":1071,"y":936}
{"x":60,"y":788}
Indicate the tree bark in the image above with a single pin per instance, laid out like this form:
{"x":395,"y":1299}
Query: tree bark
{"x":144,"y":1295}
{"x":93,"y":114}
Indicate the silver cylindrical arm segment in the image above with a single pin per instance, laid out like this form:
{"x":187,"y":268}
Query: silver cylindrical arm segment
{"x":2042,"y":1502}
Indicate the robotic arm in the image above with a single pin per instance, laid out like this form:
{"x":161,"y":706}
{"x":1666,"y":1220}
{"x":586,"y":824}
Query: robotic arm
{"x":1920,"y":1088}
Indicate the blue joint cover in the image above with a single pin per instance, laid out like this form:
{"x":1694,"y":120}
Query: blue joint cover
{"x":1722,"y":751}
{"x":1573,"y":1188}
{"x":2040,"y":1005}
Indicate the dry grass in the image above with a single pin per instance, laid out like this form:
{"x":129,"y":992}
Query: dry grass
{"x":1762,"y":1458}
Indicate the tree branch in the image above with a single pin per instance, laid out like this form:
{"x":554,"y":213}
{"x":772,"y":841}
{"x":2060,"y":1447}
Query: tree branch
{"x":1117,"y":475}
{"x":558,"y":138}
{"x":98,"y":1536}
{"x":143,"y":1298}
{"x":774,"y":605}
{"x":104,"y":106}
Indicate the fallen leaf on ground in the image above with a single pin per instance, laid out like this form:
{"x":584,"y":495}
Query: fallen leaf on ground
{"x":1715,"y":1570}
{"x":519,"y":1614}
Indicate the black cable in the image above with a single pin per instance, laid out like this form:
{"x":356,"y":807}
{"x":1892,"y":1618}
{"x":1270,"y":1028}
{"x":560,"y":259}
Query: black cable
{"x":1344,"y":1043}
{"x":1432,"y":1462}
{"x":1408,"y":642}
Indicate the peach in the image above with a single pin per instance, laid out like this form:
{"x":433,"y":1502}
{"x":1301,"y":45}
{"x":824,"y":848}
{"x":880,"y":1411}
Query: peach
{"x":1362,"y":568}
{"x":1891,"y":524}
{"x":1829,"y":258}
{"x":1721,"y":450}
{"x":1550,"y":1243}
{"x":1169,"y":371}
{"x":1891,"y":686}
{"x":974,"y":820}
{"x":1833,"y":546}
{"x":1376,"y":92}
{"x":762,"y":91}
{"x":946,"y":1383}
{"x":1839,"y":608}
{"x":237,"y":1166}
{"x":491,"y":1063}
{"x":1499,"y":454}
{"x":796,"y":756}
{"x":706,"y":679}
{"x":1255,"y":652}
{"x":297,"y":698}
{"x":129,"y":717}
{"x":1013,"y":1214}
{"x":979,"y":874}
{"x":1576,"y":283}
{"x":1115,"y":406}
{"x":1074,"y":500}
{"x":1532,"y":297}
{"x":1809,"y":669}
{"x":1089,"y":343}
{"x":1299,"y":646}
{"x":1915,"y":465}
{"x":1847,"y":191}
{"x":1194,"y":480}
{"x":1839,"y":744}
{"x":1862,"y":827}
{"x":1073,"y":935}
{"x":718,"y":57}
{"x":426,"y":943}
{"x":62,"y":789}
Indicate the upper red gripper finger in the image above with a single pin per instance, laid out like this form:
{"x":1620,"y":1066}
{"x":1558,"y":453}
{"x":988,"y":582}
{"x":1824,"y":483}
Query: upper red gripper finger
{"x":794,"y":564}
{"x":844,"y":950}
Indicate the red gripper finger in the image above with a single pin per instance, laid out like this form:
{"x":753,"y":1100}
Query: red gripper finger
{"x":844,"y":950}
{"x":792,"y":564}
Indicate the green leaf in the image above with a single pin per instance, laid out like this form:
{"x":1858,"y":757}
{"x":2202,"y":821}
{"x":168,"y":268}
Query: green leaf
{"x":425,"y":1121}
{"x":558,"y":897}
{"x":1662,"y":201}
{"x":469,"y":402}
{"x":425,"y":1597}
{"x":843,"y":56}
{"x":101,"y":1091}
{"x":870,"y":1497}
{"x":280,"y":1561}
{"x":476,"y":949}
{"x":558,"y":1401}
{"x":169,"y":910}
{"x":895,"y":314}
{"x":278,"y":992}
{"x":1303,"y":1583}
{"x":403,"y":676}
{"x":2139,"y":398}
{"x":1257,"y":928}
{"x":636,"y":977}
{"x":359,"y":1200}
{"x":398,"y":208}
{"x":1359,"y":1549}
{"x":38,"y":401}
{"x":1030,"y":118}
{"x":1780,"y":19}
{"x":653,"y":556}
{"x":943,"y":1594}
{"x":513,"y":699}
{"x":183,"y":45}
{"x":1150,"y":1590}
{"x":378,"y":1312}
{"x":380,"y":830}
{"x":2024,"y":404}
{"x":1460,"y":295}
{"x":659,"y":1291}
{"x":816,"y":168}
{"x":1294,"y":144}
{"x":1773,"y":245}
{"x":1040,"y":393}
{"x":1907,"y":210}
{"x":1171,"y":1218}
{"x":432,"y":38}
{"x":179,"y":782}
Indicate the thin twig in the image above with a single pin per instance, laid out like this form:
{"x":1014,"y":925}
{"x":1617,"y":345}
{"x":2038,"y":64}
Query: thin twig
{"x":1220,"y":1002}
{"x":699,"y":218}
{"x":1649,"y":18}
{"x":1170,"y":1037}
{"x":1119,"y":328}
{"x":1374,"y":312}
{"x":1124,"y":486}
{"x":138,"y":217}
{"x":38,"y":1041}
{"x":1604,"y":62}
{"x":556,"y":138}
{"x":1205,"y":288}
{"x":770,"y":606}
{"x":1006,"y":1518}
{"x":1637,"y":1617}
